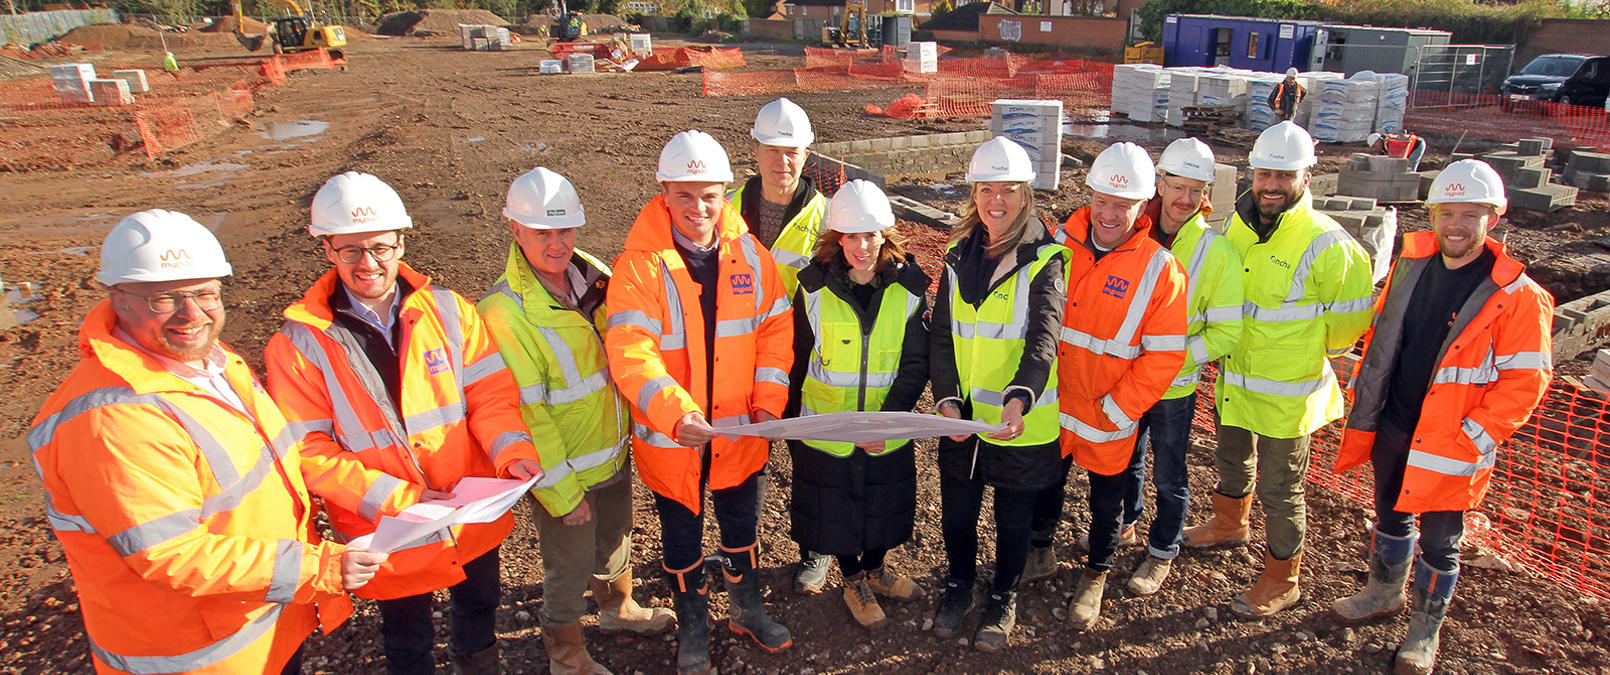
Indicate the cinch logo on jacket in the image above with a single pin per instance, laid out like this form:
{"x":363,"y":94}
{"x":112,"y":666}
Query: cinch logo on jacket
{"x":742,"y":284}
{"x":436,"y":360}
{"x":1116,"y":287}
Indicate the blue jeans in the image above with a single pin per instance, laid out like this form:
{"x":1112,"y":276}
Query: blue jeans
{"x":1166,"y":427}
{"x":405,"y":623}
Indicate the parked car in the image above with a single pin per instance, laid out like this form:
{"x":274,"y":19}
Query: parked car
{"x":1579,"y":79}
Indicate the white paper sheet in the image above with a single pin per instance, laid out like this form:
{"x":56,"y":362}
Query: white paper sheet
{"x":475,"y":500}
{"x":861,"y":427}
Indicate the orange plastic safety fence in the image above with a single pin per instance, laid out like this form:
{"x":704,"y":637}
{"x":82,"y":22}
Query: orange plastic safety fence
{"x":1502,"y":118}
{"x":682,"y":57}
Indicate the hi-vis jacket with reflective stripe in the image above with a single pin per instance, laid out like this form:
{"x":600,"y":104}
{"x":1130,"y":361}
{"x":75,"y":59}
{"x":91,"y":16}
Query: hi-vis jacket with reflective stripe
{"x":657,"y":353}
{"x":806,"y":221}
{"x":186,"y":524}
{"x":1492,"y":372}
{"x":1213,"y":298}
{"x":1308,"y":295}
{"x":459,"y":417}
{"x":556,"y":355}
{"x":1123,"y":341}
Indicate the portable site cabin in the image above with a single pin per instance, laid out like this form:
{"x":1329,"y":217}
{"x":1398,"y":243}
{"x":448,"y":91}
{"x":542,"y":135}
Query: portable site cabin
{"x":1269,"y":45}
{"x":1350,"y":49}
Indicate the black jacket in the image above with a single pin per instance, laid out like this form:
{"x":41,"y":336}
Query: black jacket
{"x":912,"y":376}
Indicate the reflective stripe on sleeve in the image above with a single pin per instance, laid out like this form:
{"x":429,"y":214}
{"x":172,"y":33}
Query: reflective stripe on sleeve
{"x":1090,"y":433}
{"x":287,"y":571}
{"x":375,"y":497}
{"x":506,"y":439}
{"x":154,"y":532}
{"x":488,"y":365}
{"x":772,"y":375}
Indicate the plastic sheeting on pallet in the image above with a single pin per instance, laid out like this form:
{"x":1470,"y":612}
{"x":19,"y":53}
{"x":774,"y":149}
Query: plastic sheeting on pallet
{"x":1345,"y":111}
{"x":1393,"y":104}
{"x":1037,"y":126}
{"x":1140,"y":91}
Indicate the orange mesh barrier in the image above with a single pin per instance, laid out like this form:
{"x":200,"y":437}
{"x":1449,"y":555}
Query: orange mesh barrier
{"x":311,"y":59}
{"x":710,"y":57}
{"x":1500,"y":118}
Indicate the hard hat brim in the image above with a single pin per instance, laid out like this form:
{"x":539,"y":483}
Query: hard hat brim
{"x":783,"y":141}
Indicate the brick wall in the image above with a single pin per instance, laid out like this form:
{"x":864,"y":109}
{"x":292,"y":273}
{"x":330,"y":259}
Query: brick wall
{"x":1570,"y":36}
{"x":771,"y":29}
{"x":1062,"y":31}
{"x":927,"y":155}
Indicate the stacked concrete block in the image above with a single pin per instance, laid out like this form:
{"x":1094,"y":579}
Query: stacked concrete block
{"x":1374,"y":226}
{"x":1222,"y":195}
{"x":581,"y":63}
{"x":1037,"y":126}
{"x":926,"y":155}
{"x":111,"y":92}
{"x":71,"y":81}
{"x":1527,"y":178}
{"x":135,"y":78}
{"x":1385,"y":179}
{"x":1589,"y":170}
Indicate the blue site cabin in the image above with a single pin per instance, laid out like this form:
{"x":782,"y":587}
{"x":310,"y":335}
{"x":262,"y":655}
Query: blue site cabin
{"x":1269,"y":45}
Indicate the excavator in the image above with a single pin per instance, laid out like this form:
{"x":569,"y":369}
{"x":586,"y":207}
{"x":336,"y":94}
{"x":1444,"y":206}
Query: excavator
{"x":298,"y":32}
{"x":855,"y":30}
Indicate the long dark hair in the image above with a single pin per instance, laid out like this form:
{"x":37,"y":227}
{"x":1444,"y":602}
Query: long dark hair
{"x":894,"y":247}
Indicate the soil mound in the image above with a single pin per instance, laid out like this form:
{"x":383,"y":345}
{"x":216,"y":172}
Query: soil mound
{"x":435,"y":21}
{"x":126,"y":36}
{"x":226,"y":24}
{"x":607,"y":23}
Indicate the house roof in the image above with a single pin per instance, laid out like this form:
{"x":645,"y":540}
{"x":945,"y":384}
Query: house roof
{"x":814,"y":3}
{"x":964,"y":17}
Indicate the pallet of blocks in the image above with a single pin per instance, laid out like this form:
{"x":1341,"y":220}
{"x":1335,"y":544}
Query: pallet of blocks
{"x":1599,"y":374}
{"x":1202,"y":119}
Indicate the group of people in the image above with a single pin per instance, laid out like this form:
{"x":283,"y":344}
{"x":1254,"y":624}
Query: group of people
{"x":183,"y":490}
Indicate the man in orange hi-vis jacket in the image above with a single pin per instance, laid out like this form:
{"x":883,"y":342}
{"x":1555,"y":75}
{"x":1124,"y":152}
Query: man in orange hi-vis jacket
{"x":401,"y":393}
{"x":701,"y":336}
{"x":174,"y":483}
{"x":1459,"y":356}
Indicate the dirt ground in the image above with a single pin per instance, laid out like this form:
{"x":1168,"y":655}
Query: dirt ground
{"x":449,"y":129}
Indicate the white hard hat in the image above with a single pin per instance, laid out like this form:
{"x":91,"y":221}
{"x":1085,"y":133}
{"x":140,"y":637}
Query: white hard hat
{"x":1373,"y":139}
{"x":783,"y":123}
{"x":999,"y":160}
{"x":1469,"y":181}
{"x":1188,"y":158}
{"x":160,"y":245}
{"x":1123,"y":170}
{"x":1283,"y":147}
{"x":694,"y":157}
{"x":543,"y":200}
{"x":1291,"y":72}
{"x":858,"y":207}
{"x":355,"y":203}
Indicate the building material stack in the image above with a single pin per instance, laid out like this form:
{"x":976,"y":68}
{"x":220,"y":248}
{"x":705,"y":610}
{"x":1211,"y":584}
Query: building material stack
{"x":72,"y":81}
{"x":1345,"y":111}
{"x":1312,"y":82}
{"x":1140,"y":91}
{"x":1527,"y":178}
{"x":1589,"y":170}
{"x":1222,"y":196}
{"x":1259,"y":115}
{"x":1375,"y":227}
{"x":582,"y":62}
{"x":1037,"y":126}
{"x":135,"y":78}
{"x":1182,"y":86}
{"x":922,"y":57}
{"x":1384,"y":179}
{"x":1393,"y":103}
{"x":110,"y":92}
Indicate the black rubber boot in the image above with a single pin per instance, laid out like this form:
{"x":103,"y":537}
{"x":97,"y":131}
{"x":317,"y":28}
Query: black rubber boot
{"x":1000,"y":617}
{"x":746,"y":615}
{"x":954,"y":606}
{"x":691,"y":598}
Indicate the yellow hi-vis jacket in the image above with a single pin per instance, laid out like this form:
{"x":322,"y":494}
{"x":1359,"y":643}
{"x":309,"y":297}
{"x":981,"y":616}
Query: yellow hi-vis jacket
{"x":556,"y":354}
{"x":1213,"y":299}
{"x":794,"y":246}
{"x":1308,"y":296}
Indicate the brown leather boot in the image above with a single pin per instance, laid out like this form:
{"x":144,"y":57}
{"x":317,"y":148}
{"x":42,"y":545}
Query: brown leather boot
{"x":1276,"y":588}
{"x":618,"y":612}
{"x":1232,"y":518}
{"x":484,"y":662}
{"x":567,"y":651}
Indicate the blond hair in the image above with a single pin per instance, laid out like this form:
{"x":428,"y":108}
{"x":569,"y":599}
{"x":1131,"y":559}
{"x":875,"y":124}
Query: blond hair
{"x":1015,"y":231}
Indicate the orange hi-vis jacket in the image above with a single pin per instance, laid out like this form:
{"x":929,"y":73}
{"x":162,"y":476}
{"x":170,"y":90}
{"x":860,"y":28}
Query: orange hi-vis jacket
{"x":1123,"y":341}
{"x":460,"y":417}
{"x":1494,"y":367}
{"x":1399,"y":145}
{"x":187,"y":526}
{"x":655,"y":343}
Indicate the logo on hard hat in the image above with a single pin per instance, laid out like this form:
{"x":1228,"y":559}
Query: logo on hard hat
{"x":696,"y":166}
{"x":175,"y":255}
{"x":1193,"y":165}
{"x":1118,"y":180}
{"x":363,"y":214}
{"x":556,"y":212}
{"x":1454,"y":190}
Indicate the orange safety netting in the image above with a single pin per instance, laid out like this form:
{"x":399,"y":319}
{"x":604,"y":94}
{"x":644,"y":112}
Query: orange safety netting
{"x":1501,"y":118}
{"x":711,"y":58}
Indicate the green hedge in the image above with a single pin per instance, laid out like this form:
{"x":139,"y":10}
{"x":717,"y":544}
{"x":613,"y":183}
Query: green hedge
{"x":1469,"y":22}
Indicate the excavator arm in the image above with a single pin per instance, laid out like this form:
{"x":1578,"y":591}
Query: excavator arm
{"x":251,"y":42}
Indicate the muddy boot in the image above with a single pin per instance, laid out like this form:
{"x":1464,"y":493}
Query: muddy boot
{"x":810,"y":577}
{"x":1276,"y":588}
{"x":1433,"y":589}
{"x":1085,"y":607}
{"x":618,"y":612}
{"x":746,"y":615}
{"x":1126,"y":537}
{"x":1000,"y":617}
{"x":1382,"y":594}
{"x":1229,"y":525}
{"x":1042,"y":563}
{"x":1148,"y":578}
{"x":567,"y":651}
{"x":891,"y":585}
{"x":954,"y":606}
{"x":484,"y":662}
{"x":692,"y":600}
{"x":863,"y":603}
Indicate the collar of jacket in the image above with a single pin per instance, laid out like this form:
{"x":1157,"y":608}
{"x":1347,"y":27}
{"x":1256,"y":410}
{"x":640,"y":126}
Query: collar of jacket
{"x":143,"y":373}
{"x":1424,"y":245}
{"x":314,"y":308}
{"x":537,"y":300}
{"x":1247,"y":208}
{"x":835,"y":275}
{"x":755,"y":193}
{"x":1027,"y":250}
{"x":652,"y":229}
{"x":1078,"y":228}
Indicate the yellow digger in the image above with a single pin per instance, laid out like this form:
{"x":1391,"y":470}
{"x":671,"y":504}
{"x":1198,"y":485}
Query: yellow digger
{"x":855,"y":30}
{"x":298,"y":32}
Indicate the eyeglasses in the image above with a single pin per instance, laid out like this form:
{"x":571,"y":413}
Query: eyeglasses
{"x":167,"y":303}
{"x":381,"y":252}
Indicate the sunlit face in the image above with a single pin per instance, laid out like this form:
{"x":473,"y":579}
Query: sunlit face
{"x":999,"y":203}
{"x":1112,"y":219}
{"x":780,"y":166}
{"x":1462,"y":228}
{"x":695,"y":208}
{"x":861,"y":250}
{"x":1181,"y":198}
{"x":548,"y":251}
{"x":368,"y":277}
{"x":185,"y":334}
{"x":1277,"y":191}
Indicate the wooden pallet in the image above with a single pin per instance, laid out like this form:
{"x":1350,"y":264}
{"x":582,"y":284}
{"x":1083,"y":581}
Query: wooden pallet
{"x":1205,"y":118}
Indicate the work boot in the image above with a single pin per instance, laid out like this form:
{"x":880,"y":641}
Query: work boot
{"x":1148,"y":578}
{"x":1086,"y":605}
{"x":1389,"y":559}
{"x":746,"y":615}
{"x":811,"y":574}
{"x":1000,"y":616}
{"x":891,"y":585}
{"x":692,"y":600}
{"x":1433,"y":589}
{"x":1126,"y":538}
{"x":567,"y":651}
{"x":1042,"y":563}
{"x":858,"y":596}
{"x":1276,"y":588}
{"x":954,"y":606}
{"x":1232,"y":518}
{"x":618,"y":612}
{"x":484,"y":662}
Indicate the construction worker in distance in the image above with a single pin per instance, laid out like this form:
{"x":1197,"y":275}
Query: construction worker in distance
{"x":1122,"y":344}
{"x":787,"y":214}
{"x":700,"y":336}
{"x":1283,"y":99}
{"x":402,"y":394}
{"x":1212,"y":328}
{"x":1457,"y":360}
{"x":172,"y":481}
{"x":993,"y":358}
{"x":1307,"y":287}
{"x":1400,"y":144}
{"x":860,"y":343}
{"x":546,"y":314}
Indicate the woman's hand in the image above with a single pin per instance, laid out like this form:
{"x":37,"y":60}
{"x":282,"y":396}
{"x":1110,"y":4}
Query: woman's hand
{"x":952,"y":410}
{"x":1012,"y":415}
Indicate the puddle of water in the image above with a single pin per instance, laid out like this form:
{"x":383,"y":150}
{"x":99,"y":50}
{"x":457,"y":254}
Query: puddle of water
{"x":950,"y":190}
{"x":539,"y":147}
{"x":71,"y":250}
{"x":26,"y":315}
{"x":216,"y":220}
{"x":287,"y":131}
{"x":195,"y":169}
{"x":476,"y":139}
{"x":1120,"y":132}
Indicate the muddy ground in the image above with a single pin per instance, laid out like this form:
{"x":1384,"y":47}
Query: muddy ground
{"x":449,"y":129}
